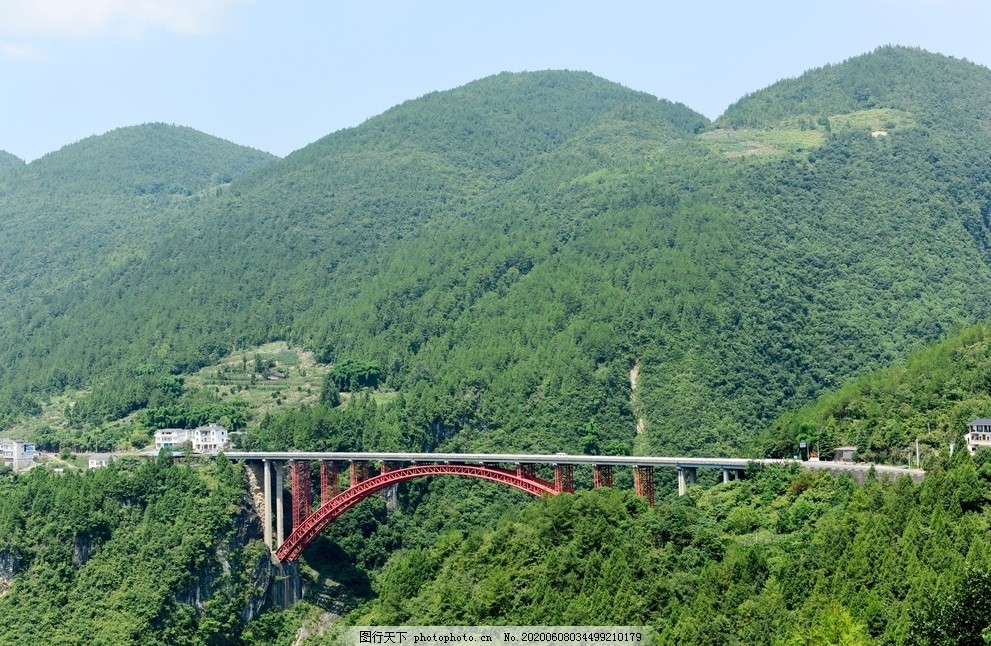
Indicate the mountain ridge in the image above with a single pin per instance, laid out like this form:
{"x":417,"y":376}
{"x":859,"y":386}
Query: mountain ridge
{"x":890,"y":77}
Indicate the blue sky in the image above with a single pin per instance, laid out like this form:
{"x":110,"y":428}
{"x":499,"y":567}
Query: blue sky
{"x":279,"y":74}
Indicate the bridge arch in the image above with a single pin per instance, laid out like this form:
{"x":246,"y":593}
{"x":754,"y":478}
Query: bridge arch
{"x":311,"y":527}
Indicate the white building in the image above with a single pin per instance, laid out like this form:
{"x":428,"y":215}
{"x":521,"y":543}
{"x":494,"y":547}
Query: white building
{"x":211,"y":438}
{"x":16,"y":454}
{"x":168,"y":438}
{"x":979,"y":434}
{"x":99,"y":460}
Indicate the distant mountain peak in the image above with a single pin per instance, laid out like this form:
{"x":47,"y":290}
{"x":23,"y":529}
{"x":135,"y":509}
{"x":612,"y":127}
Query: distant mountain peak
{"x":498,"y":124}
{"x":8,"y":160}
{"x":151,"y":157}
{"x":891,"y":77}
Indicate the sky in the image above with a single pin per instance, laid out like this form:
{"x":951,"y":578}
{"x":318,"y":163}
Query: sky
{"x":279,"y":74}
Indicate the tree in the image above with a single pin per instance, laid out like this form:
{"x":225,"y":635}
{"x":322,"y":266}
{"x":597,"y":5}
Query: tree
{"x":330,"y":395}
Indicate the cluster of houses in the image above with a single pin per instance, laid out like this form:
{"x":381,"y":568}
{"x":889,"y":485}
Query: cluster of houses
{"x":211,"y":438}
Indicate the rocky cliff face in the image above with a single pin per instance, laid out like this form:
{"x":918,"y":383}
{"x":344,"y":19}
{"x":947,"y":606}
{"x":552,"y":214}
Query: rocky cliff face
{"x":8,"y":568}
{"x":244,"y":568}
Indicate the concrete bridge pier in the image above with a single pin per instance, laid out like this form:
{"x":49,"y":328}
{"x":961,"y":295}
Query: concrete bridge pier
{"x":280,"y":520}
{"x":686,"y":476}
{"x":732,"y":474}
{"x":267,"y":520}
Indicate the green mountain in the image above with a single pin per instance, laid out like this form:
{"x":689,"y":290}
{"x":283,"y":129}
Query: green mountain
{"x":129,"y":554}
{"x":9,"y":162}
{"x":930,"y":397}
{"x":779,"y":558}
{"x":95,"y":206}
{"x":542,"y":260}
{"x":938,"y":90}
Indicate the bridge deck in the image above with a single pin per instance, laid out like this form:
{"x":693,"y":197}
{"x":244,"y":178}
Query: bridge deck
{"x":559,"y":458}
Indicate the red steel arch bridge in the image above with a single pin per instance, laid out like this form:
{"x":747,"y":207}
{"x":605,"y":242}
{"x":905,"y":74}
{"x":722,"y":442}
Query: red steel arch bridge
{"x":369,"y":473}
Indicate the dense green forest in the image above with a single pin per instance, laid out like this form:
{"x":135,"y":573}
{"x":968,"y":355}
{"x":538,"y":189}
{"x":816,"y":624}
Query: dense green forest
{"x":930,"y":398}
{"x":9,"y":163}
{"x":135,"y":553}
{"x":783,"y":557}
{"x":539,"y":261}
{"x":508,"y":253}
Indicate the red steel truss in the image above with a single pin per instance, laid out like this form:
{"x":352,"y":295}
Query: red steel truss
{"x":564,"y":480}
{"x":359,"y":472}
{"x":601,"y":475}
{"x":643,"y":482}
{"x":302,"y":492}
{"x":330,"y":481}
{"x":307,"y":531}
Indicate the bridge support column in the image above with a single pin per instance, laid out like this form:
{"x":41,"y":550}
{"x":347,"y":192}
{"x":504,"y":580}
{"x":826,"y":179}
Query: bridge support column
{"x":280,"y":520}
{"x":686,"y":476}
{"x":732,"y":474}
{"x":643,"y":482}
{"x":267,"y":520}
{"x":329,"y":481}
{"x":359,"y":472}
{"x":601,"y":475}
{"x":528,"y":471}
{"x":335,"y":479}
{"x":564,"y":481}
{"x":301,"y":489}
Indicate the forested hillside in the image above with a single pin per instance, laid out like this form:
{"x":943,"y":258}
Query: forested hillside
{"x":9,"y":162}
{"x":780,"y":558}
{"x":94,"y":208}
{"x":129,"y":554}
{"x":509,"y":253}
{"x":931,"y":397}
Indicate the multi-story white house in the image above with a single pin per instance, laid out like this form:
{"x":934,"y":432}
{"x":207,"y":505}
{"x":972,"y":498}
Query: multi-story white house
{"x":16,"y":454}
{"x":209,"y":439}
{"x":167,"y":438}
{"x":204,"y":439}
{"x":979,"y":434}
